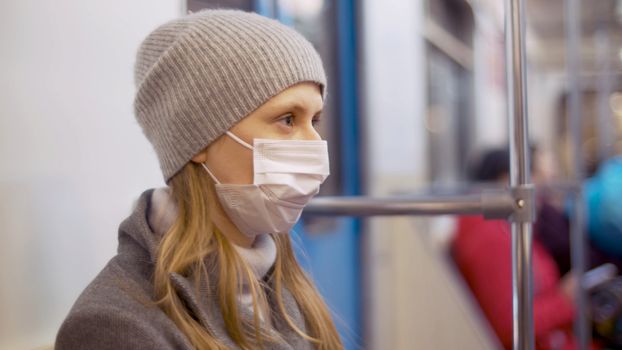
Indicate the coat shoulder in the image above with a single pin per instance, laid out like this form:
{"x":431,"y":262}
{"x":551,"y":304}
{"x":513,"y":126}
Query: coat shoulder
{"x":116,"y":311}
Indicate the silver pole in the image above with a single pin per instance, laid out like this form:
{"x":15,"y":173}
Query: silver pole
{"x":522,"y":292}
{"x":574,"y":108}
{"x":492,"y":204}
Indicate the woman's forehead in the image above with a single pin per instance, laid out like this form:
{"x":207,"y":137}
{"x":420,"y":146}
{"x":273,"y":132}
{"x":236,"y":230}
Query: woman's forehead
{"x":301,"y":97}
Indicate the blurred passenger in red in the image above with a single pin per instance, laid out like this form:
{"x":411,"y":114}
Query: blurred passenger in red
{"x":482,"y":251}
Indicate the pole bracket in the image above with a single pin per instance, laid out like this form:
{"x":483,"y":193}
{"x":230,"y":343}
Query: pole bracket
{"x":524,"y":204}
{"x":516,"y":204}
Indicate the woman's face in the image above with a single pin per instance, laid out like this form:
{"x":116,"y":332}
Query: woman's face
{"x":291,"y":115}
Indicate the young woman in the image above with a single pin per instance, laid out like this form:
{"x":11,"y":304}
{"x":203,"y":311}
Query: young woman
{"x":230,"y":101}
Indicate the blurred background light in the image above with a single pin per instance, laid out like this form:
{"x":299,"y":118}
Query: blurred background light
{"x":302,"y":8}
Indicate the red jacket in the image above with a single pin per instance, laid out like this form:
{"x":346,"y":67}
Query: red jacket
{"x":482,"y":251}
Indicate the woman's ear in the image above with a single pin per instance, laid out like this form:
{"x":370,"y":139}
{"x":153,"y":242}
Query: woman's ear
{"x":200,"y":157}
{"x":216,"y":146}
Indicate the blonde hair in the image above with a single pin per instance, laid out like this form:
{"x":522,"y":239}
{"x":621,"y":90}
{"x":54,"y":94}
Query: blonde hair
{"x":193,"y":239}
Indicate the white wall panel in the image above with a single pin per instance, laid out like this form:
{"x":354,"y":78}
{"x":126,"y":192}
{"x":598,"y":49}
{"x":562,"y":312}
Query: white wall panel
{"x":73,"y":156}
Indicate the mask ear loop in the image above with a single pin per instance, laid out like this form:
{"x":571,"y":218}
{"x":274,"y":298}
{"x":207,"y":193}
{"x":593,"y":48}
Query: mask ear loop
{"x":239,"y":140}
{"x":210,"y":174}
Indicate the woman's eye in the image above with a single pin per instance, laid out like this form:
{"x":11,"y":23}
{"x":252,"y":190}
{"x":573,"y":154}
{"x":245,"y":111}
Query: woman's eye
{"x":287,"y":120}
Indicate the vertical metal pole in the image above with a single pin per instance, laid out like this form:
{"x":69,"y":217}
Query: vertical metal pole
{"x":522,"y":303}
{"x":574,"y":108}
{"x":606,"y":128}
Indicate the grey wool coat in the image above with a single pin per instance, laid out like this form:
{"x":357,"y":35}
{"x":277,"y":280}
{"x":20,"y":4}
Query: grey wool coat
{"x":116,"y":310}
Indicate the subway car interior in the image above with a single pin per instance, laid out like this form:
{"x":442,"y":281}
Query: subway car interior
{"x":475,"y":195}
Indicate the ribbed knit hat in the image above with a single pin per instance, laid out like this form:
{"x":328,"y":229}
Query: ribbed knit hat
{"x":198,"y":75}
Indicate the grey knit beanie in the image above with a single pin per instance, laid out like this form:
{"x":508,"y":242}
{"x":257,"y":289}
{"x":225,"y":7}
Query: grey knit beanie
{"x":198,"y":75}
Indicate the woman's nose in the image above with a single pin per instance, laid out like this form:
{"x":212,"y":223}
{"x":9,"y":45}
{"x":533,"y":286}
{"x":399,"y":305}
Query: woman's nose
{"x":309,"y":133}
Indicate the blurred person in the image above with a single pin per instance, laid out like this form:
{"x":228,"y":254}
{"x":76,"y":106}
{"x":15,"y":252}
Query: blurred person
{"x":603,"y":201}
{"x":601,"y":195}
{"x":552,"y":226}
{"x":230,"y":101}
{"x":482,"y":251}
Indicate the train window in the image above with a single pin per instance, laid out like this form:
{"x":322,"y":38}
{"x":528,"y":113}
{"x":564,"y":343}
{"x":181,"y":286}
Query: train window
{"x":448,"y":118}
{"x":449,"y":39}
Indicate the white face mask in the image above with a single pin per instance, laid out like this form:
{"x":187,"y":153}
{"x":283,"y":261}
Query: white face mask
{"x":287,"y":174}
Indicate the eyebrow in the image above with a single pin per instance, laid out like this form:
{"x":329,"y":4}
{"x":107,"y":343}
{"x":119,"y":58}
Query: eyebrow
{"x":295,"y":105}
